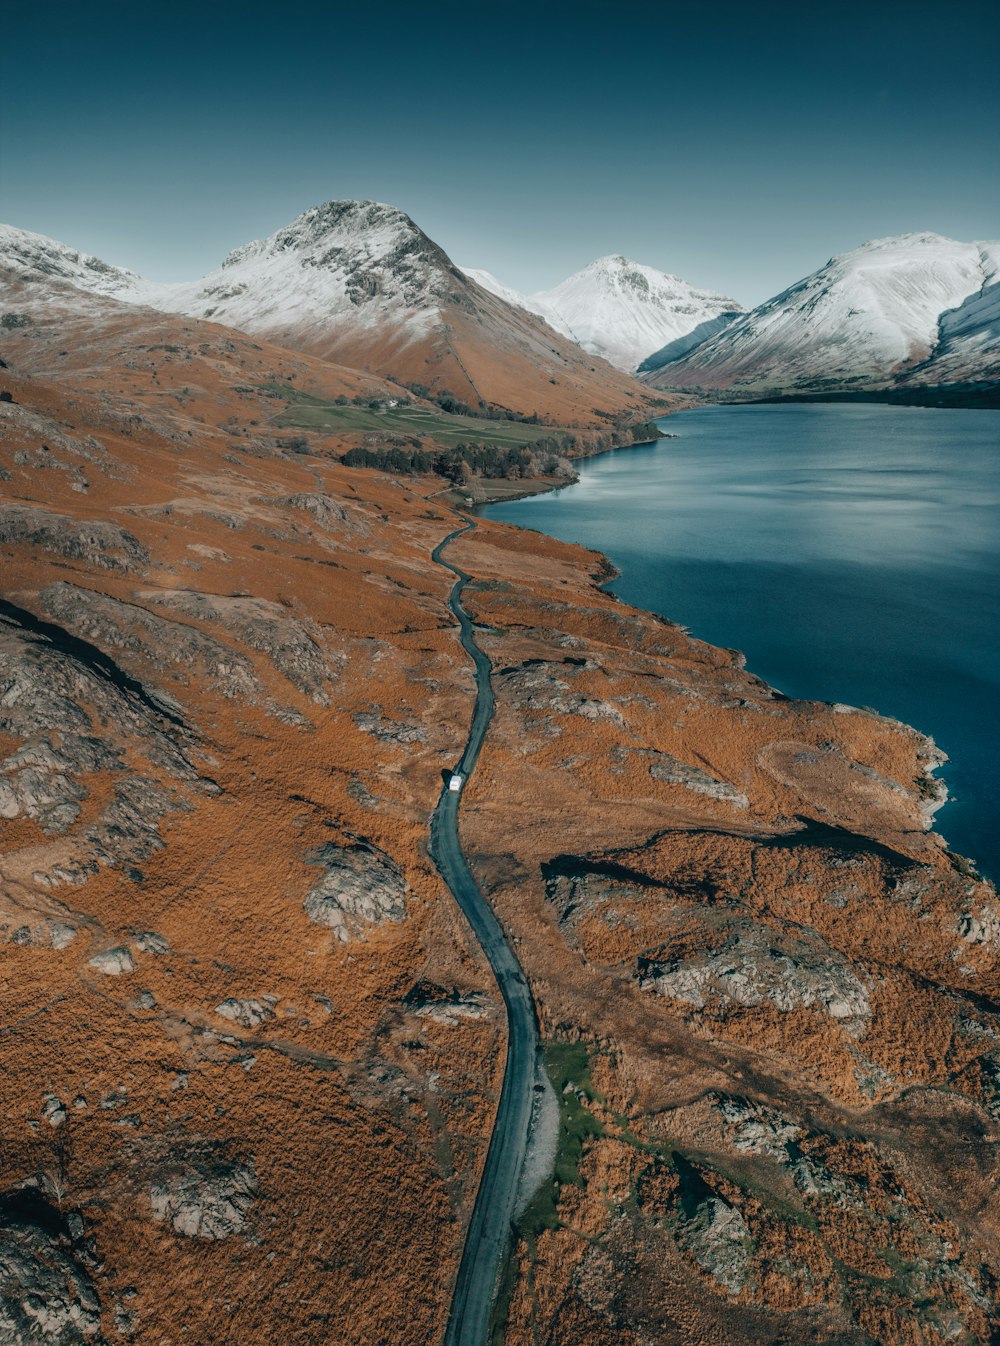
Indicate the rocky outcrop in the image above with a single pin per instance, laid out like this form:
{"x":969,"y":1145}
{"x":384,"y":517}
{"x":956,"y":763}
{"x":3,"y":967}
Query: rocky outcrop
{"x":116,"y":962}
{"x":150,"y":942}
{"x":445,"y":1005}
{"x":784,"y":1216}
{"x":672,"y":771}
{"x":78,"y":714}
{"x":537,"y":687}
{"x":989,"y":1074}
{"x":53,"y":449}
{"x":360,"y":887}
{"x":35,"y":930}
{"x":47,"y":1297}
{"x":107,"y":545}
{"x":389,"y":731}
{"x":204,"y":1196}
{"x":52,"y":682}
{"x":115,"y":625}
{"x":753,"y":964}
{"x":293,"y":646}
{"x":717,"y":1237}
{"x":329,"y":514}
{"x":248,"y":1013}
{"x":34,"y":783}
{"x":758,"y":1129}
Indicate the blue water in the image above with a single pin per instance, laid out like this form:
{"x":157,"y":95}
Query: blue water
{"x":852,"y":552}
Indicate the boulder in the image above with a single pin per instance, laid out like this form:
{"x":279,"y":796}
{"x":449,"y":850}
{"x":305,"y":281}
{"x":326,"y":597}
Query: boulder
{"x":246,"y":1013}
{"x":116,"y":962}
{"x":360,"y":886}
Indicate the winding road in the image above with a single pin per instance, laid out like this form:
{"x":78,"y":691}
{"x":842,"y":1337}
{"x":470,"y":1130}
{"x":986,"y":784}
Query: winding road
{"x":489,"y":1232}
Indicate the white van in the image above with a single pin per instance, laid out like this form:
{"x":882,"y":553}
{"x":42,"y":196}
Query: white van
{"x":456,"y":782}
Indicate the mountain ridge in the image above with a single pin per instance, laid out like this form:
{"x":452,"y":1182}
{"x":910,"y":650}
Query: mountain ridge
{"x":359,"y":283}
{"x":867,"y":319}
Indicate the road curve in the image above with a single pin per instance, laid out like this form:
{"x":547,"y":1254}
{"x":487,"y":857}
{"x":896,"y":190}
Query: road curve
{"x":489,"y":1233}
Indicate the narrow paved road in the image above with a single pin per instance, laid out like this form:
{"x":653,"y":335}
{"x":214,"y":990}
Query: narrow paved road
{"x":489,"y":1232}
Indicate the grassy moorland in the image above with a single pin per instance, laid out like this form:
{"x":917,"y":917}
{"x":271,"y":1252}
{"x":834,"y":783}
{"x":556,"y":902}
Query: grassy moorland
{"x":305,"y":411}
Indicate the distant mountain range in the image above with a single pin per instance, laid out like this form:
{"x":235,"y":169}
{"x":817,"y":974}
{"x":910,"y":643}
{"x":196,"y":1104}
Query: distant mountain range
{"x":358,"y":283}
{"x":909,"y":316}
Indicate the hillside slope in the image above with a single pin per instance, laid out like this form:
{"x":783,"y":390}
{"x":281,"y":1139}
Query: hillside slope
{"x":229,"y":683}
{"x":487,"y":281}
{"x":252,"y":1053}
{"x":360,"y":284}
{"x":968,"y":345}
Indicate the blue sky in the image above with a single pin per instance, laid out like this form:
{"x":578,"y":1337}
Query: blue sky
{"x":736,"y":145}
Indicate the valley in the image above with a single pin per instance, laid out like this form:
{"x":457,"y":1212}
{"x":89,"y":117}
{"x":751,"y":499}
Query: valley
{"x":255,"y":1044}
{"x":912,"y":320}
{"x":499,"y":623}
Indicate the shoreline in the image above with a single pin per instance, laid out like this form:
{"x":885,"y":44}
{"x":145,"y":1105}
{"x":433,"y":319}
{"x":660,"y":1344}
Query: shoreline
{"x":492,"y":491}
{"x":607,"y":572}
{"x":827,"y":878}
{"x":946,"y":397}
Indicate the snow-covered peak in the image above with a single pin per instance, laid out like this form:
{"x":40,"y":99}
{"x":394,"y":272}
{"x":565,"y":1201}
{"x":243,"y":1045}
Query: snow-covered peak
{"x":624,"y":311}
{"x":917,"y":240}
{"x":860,"y":319}
{"x":899,"y":286}
{"x":361,"y":260}
{"x":33,"y":257}
{"x":332,"y":225}
{"x":616,"y":272}
{"x":889,"y":293}
{"x":357,"y":260}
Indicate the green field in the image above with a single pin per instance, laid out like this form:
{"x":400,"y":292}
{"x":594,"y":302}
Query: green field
{"x":568,"y":1067}
{"x":307,"y":412}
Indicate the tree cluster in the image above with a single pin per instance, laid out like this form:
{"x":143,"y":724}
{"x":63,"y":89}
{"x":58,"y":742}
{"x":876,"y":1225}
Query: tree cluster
{"x":462,"y":462}
{"x":453,"y":405}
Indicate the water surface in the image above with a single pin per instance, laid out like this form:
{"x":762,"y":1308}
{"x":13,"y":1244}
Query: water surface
{"x":852,"y":553}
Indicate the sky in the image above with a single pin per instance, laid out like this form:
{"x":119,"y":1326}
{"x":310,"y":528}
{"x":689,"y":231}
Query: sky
{"x":739,"y":146}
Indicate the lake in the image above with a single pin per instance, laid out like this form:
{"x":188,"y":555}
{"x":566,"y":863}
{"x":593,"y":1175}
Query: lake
{"x":851,"y":551}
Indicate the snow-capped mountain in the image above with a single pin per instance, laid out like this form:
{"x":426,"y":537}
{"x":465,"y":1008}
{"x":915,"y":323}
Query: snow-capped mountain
{"x":860,"y":322}
{"x":359,"y":283}
{"x":35,"y":257}
{"x":356,"y":263}
{"x":621,"y":310}
{"x":625,"y":311}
